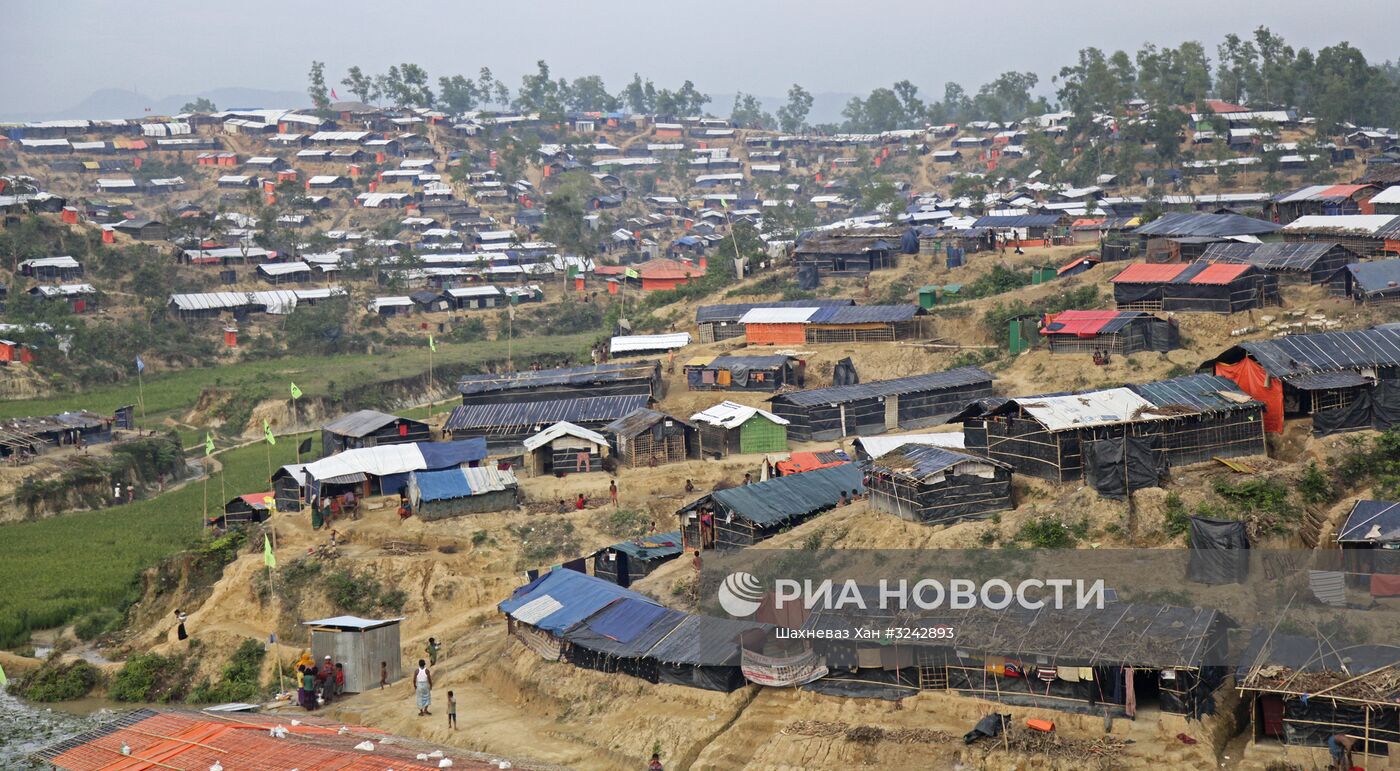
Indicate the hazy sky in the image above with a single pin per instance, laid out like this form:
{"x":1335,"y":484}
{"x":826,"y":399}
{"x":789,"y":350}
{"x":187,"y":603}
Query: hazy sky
{"x":57,"y":53}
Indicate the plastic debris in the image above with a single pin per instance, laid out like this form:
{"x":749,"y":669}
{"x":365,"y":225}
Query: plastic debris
{"x":366,"y":746}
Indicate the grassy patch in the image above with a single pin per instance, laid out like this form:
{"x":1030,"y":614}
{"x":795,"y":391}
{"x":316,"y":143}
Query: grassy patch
{"x":241,"y":679}
{"x":56,"y":681}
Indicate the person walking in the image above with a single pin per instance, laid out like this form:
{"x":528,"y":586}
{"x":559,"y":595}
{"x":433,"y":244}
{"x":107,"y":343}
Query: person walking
{"x":383,"y":674}
{"x":423,"y":687}
{"x":433,"y":647}
{"x":612,"y":492}
{"x":180,"y":632}
{"x":451,"y":711}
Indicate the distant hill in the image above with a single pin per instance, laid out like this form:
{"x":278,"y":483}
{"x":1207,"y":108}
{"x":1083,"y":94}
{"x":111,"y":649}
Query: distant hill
{"x":122,"y":103}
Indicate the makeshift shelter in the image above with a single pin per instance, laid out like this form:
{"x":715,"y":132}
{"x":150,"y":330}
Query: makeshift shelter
{"x":704,"y":652}
{"x":1219,"y":551}
{"x":1369,"y":235}
{"x":800,"y":462}
{"x":540,"y":612}
{"x":199,"y":740}
{"x":650,"y":438}
{"x":869,"y":448}
{"x":742,"y":516}
{"x":1325,"y":200}
{"x":823,"y":414}
{"x":1023,"y":229}
{"x":1166,"y":423}
{"x":629,"y":561}
{"x":1302,"y":690}
{"x":1370,"y":541}
{"x":361,"y":645}
{"x":721,"y":322}
{"x":931,"y":485}
{"x":743,"y":373}
{"x":505,"y":425}
{"x":1201,"y":287}
{"x":1117,"y":332}
{"x":289,"y":487}
{"x":730,"y":427}
{"x":866,"y":324}
{"x":383,"y":470}
{"x":610,"y":379}
{"x":248,"y":509}
{"x":640,"y":345}
{"x":456,"y":492}
{"x":1344,"y":380}
{"x":565,"y":448}
{"x":1161,"y":239}
{"x":1299,"y":262}
{"x":844,"y":255}
{"x":1368,"y":283}
{"x":619,"y":637}
{"x":370,"y":428}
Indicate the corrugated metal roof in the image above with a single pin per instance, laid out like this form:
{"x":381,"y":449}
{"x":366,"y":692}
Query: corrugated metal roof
{"x":359,"y":424}
{"x":1372,"y":225}
{"x":864,"y":314}
{"x":1326,"y":351}
{"x":638,"y":421}
{"x":576,"y":376}
{"x":1197,"y":224}
{"x":780,"y":499}
{"x":798,"y":315}
{"x":353,"y":622}
{"x":542,"y":413}
{"x":1321,"y":193}
{"x":933,"y":381}
{"x":1017,"y":221}
{"x":922,"y":461}
{"x":1202,"y":393}
{"x":735,"y":311}
{"x":1300,"y":256}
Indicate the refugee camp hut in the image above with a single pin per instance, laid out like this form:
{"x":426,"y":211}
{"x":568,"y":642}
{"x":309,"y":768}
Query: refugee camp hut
{"x":868,"y":448}
{"x":384,"y":470}
{"x":1344,"y":380}
{"x":143,"y":229}
{"x":742,"y":516}
{"x":845,"y":256}
{"x":285,"y":272}
{"x":506,"y":425}
{"x":934,"y":486}
{"x":565,"y":448}
{"x":1023,"y":229}
{"x":540,"y":612}
{"x":1077,"y":660}
{"x":866,"y":324}
{"x":1183,"y":236}
{"x":609,"y":379}
{"x":823,"y":414}
{"x":1370,"y":543}
{"x":1118,"y":435}
{"x":721,"y":322}
{"x":641,"y":345}
{"x":456,"y":492}
{"x":777,"y":326}
{"x":1117,"y":332}
{"x":1323,"y":200}
{"x":629,"y":561}
{"x":704,"y":652}
{"x":1195,"y":287}
{"x":361,"y":645}
{"x":619,"y":637}
{"x":802,"y":462}
{"x":63,"y":268}
{"x":370,"y":428}
{"x":1369,"y":235}
{"x":1301,"y":690}
{"x":743,"y":373}
{"x":1368,"y":283}
{"x":244,"y":510}
{"x":289,"y":486}
{"x":1309,"y":262}
{"x":649,"y":438}
{"x":729,"y":428}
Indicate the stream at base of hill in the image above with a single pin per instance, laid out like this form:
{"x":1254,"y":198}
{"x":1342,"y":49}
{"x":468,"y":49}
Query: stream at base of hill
{"x":27,"y":727}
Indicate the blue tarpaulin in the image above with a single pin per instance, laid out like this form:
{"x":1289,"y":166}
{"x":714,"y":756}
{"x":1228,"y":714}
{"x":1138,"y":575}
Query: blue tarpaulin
{"x":438,"y":455}
{"x":625,"y":619}
{"x":442,"y":485}
{"x":565,"y":598}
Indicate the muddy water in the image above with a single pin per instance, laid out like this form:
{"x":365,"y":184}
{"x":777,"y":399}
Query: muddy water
{"x":26,"y":728}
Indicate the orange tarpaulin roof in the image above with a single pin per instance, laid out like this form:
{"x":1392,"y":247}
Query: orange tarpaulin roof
{"x":1147,"y":273}
{"x":1220,"y":273}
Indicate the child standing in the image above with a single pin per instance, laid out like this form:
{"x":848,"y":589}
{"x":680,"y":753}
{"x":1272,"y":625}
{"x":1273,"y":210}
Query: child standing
{"x":451,"y":711}
{"x":383,"y":674}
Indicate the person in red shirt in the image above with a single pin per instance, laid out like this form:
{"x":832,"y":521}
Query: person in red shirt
{"x":581,"y":502}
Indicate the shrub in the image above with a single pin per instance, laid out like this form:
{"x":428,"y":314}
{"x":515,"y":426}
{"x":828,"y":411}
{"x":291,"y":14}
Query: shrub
{"x":1314,"y":487}
{"x":1175,"y":519}
{"x":361,"y":593}
{"x":1046,"y":532}
{"x":240,"y":679}
{"x":56,"y":681}
{"x":545,"y":540}
{"x":1264,"y":500}
{"x":151,"y":677}
{"x":97,"y":623}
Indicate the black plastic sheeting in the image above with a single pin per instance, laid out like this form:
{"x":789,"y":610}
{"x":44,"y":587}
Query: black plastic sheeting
{"x":724,"y":679}
{"x":845,"y":373}
{"x":1219,"y":552}
{"x":909,"y":242}
{"x":1377,"y":407}
{"x":1302,"y":716}
{"x":867,"y":684}
{"x":807,"y":276}
{"x":1116,"y":467}
{"x":989,"y":727}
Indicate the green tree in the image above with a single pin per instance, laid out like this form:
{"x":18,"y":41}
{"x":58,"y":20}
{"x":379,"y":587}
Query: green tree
{"x":457,"y":93}
{"x":748,"y":112}
{"x":361,"y":85}
{"x":564,"y":209}
{"x":589,"y":94}
{"x":639,"y":96}
{"x":792,"y":117}
{"x":317,"y":89}
{"x":200,"y":105}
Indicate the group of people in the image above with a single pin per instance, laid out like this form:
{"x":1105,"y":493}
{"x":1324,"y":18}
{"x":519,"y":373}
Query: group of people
{"x":329,"y":508}
{"x":318,"y":685}
{"x":1101,"y":357}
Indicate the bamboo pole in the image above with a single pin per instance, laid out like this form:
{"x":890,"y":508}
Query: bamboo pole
{"x":176,"y":739}
{"x":119,"y":753}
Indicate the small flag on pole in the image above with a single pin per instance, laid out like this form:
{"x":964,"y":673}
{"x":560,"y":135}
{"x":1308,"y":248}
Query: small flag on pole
{"x":296,"y":392}
{"x":269,"y":559}
{"x":305,"y":446}
{"x":432,"y":344}
{"x":140,"y":365}
{"x":208,"y":444}
{"x":267,"y":432}
{"x":723,"y":203}
{"x":630,"y":273}
{"x":3,"y":680}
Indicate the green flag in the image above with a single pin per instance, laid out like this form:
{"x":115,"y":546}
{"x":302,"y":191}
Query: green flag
{"x":267,"y":432}
{"x":208,"y":444}
{"x":296,"y":392}
{"x":573,"y":271}
{"x":3,"y":680}
{"x":630,"y":273}
{"x":269,"y":559}
{"x":724,"y":203}
{"x":432,"y":345}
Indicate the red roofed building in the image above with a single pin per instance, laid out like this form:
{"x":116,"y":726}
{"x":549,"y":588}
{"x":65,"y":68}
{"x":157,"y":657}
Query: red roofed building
{"x":1120,"y":332}
{"x":1200,"y":287}
{"x":662,"y":274}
